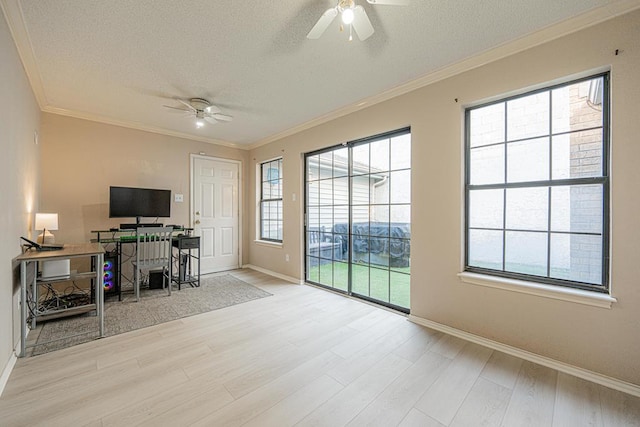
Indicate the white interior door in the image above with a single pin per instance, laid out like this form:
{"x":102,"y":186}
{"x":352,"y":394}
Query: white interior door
{"x":215,"y":212}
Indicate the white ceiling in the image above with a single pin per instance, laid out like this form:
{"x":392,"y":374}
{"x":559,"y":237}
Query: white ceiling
{"x":120,"y":61}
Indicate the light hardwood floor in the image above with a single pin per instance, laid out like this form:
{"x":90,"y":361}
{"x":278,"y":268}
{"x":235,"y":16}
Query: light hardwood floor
{"x":302,"y":357}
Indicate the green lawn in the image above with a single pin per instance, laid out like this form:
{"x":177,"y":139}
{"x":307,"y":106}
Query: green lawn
{"x":390,"y":286}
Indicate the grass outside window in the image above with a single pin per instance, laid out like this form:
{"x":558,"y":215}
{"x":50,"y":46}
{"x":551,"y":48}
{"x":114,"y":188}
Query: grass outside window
{"x":388,"y":285}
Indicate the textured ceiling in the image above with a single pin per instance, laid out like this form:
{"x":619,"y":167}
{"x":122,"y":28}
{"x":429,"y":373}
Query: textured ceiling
{"x":120,"y":61}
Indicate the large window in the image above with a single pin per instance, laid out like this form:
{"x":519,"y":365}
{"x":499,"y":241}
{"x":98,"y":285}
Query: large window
{"x":271,"y":200}
{"x":537,"y":185}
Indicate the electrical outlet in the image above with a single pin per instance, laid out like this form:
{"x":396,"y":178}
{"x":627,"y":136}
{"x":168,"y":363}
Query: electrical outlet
{"x":178,"y":198}
{"x":286,"y":257}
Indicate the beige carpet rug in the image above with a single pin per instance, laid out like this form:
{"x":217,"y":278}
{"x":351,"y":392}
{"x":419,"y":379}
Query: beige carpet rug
{"x":154,"y":307}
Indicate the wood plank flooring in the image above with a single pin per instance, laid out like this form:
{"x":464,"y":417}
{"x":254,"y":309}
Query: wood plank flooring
{"x":302,"y":357}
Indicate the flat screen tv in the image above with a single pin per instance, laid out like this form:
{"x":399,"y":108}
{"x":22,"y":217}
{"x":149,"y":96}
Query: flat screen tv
{"x":128,"y":202}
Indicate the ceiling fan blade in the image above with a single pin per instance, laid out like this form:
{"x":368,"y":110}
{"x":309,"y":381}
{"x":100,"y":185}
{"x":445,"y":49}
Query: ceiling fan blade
{"x":212,"y":109}
{"x":189,"y":106}
{"x":327,"y":18}
{"x":389,"y":2}
{"x":221,"y":117}
{"x":177,"y":108}
{"x":211,"y":120}
{"x":361,"y":23}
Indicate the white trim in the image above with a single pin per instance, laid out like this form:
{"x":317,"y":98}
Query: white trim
{"x":192,"y":158}
{"x":274,"y":274}
{"x":269,"y":244}
{"x":585,"y":374}
{"x":578,"y":296}
{"x":15,"y":21}
{"x":6,"y":372}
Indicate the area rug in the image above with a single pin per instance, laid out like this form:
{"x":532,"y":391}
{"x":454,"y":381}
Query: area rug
{"x":154,"y":307}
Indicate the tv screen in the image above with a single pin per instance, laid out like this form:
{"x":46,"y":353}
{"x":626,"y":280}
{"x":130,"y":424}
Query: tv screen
{"x":127,"y":202}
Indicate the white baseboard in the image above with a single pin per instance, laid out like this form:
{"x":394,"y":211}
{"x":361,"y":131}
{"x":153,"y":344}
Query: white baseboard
{"x":585,"y":374}
{"x":6,"y":372}
{"x":274,"y":274}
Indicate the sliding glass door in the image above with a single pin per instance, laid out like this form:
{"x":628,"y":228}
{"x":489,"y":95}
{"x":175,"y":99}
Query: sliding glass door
{"x":327,"y":218}
{"x":358,"y":218}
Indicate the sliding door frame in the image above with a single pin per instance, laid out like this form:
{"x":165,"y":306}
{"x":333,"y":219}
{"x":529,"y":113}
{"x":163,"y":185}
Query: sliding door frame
{"x":349,"y":146}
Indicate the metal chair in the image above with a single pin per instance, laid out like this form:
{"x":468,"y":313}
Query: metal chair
{"x":153,"y":250}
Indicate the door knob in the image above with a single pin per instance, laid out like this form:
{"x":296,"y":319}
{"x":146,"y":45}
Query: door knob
{"x":197,"y":221}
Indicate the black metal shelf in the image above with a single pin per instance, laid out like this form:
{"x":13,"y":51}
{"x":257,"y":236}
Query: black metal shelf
{"x":188,"y":250}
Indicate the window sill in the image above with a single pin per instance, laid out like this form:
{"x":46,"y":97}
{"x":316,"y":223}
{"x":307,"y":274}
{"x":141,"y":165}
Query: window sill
{"x":268,"y":243}
{"x":547,"y":291}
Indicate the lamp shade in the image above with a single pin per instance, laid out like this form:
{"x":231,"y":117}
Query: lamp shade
{"x":48,"y":221}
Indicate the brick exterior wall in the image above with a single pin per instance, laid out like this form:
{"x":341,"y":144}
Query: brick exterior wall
{"x":586,"y":201}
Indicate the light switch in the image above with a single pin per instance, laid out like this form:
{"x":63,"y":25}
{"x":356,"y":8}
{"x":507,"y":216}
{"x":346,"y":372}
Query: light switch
{"x":178,"y":198}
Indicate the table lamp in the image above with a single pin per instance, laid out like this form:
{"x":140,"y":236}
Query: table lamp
{"x":46,"y":222}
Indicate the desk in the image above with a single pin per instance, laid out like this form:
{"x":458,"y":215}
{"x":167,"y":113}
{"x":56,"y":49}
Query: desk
{"x":32,"y":258}
{"x":120,"y":237}
{"x":116,"y":234}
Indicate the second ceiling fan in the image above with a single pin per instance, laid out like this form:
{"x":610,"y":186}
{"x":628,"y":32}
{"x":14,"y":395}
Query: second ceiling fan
{"x":352,"y":15}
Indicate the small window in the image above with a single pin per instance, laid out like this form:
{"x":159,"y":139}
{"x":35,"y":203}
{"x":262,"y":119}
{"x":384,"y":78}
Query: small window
{"x":271,"y":200}
{"x":537,"y":185}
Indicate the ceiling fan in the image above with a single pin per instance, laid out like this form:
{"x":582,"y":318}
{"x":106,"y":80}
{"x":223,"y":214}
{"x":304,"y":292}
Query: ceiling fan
{"x":352,"y":15}
{"x":202,"y":110}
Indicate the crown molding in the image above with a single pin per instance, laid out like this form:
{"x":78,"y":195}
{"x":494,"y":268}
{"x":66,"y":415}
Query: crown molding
{"x":139,"y":126}
{"x":547,"y":34}
{"x":15,"y":20}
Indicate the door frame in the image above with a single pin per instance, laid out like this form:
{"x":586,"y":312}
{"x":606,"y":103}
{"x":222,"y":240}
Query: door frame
{"x":192,"y":159}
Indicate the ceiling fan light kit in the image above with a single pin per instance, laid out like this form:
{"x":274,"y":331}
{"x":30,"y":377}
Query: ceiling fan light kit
{"x":347,"y":16}
{"x":352,"y":15}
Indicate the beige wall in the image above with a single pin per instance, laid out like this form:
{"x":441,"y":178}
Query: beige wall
{"x":19,"y":119}
{"x":81,"y":159}
{"x":601,"y":340}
